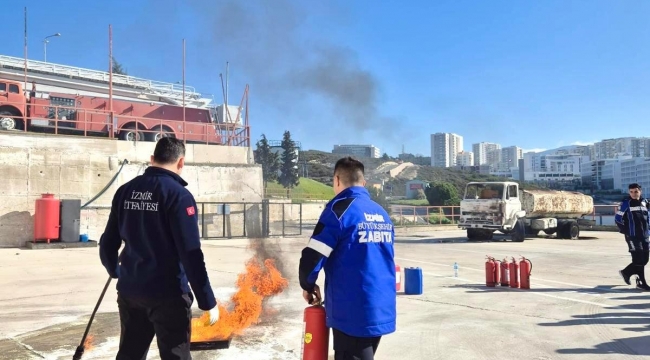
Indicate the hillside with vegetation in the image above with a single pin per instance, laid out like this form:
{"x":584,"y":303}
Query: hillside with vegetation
{"x":320,"y":166}
{"x":306,"y":189}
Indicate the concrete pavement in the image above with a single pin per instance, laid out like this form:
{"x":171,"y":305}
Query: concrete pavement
{"x":578,"y":307}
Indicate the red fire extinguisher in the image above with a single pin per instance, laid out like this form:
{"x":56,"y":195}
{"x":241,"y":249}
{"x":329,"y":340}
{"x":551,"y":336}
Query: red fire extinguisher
{"x":315,"y":337}
{"x":490,"y":265}
{"x":505,"y":273}
{"x":526,"y":268}
{"x":514,"y":271}
{"x":497,"y":271}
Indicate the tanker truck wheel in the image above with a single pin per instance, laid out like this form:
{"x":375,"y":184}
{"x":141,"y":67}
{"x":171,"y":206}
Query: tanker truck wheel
{"x":569,"y":230}
{"x":519,"y":233}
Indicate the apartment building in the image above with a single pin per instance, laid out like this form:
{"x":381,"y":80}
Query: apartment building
{"x":445,"y":148}
{"x":481,"y":151}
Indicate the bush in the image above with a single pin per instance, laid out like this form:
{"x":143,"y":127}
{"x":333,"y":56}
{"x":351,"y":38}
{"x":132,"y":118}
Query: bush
{"x":442,"y":194}
{"x":439,"y":220}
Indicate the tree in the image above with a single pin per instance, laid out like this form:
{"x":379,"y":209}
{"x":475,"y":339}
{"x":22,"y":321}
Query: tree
{"x":269,"y":160}
{"x":385,"y":157}
{"x":377,"y":195}
{"x":442,"y":194}
{"x":289,"y":171}
{"x":118,"y":68}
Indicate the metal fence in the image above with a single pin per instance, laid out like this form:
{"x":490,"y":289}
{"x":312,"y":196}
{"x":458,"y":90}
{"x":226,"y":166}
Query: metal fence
{"x":226,"y":220}
{"x":67,"y":120}
{"x":405,"y":215}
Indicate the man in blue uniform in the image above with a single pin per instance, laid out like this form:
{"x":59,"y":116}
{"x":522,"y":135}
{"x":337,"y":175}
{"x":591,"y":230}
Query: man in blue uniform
{"x":632,"y":220}
{"x":155,"y":215}
{"x":353,"y":242}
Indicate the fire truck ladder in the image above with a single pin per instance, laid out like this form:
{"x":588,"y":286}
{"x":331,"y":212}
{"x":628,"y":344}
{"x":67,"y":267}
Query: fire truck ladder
{"x":155,"y":90}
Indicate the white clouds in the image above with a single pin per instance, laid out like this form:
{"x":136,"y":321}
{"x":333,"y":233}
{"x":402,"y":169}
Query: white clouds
{"x":534,"y":150}
{"x":583,"y":143}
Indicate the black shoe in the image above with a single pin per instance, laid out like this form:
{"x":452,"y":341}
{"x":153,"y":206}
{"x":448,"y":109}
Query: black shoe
{"x":642,"y":286}
{"x":625,"y":278}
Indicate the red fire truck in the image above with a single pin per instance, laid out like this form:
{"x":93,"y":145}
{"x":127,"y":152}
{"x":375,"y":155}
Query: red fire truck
{"x":64,"y":99}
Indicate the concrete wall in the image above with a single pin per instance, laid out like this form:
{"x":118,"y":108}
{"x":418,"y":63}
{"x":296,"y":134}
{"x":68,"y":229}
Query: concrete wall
{"x":73,"y":167}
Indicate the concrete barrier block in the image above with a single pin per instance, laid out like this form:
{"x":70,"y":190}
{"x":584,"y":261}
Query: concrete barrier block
{"x":42,"y":186}
{"x":76,"y":159}
{"x":74,"y":189}
{"x":13,"y":156}
{"x":11,"y":172}
{"x":45,"y":172}
{"x":75,"y":173}
{"x":39,"y":157}
{"x":14,"y":187}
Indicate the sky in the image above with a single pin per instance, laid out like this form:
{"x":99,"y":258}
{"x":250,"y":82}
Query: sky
{"x":535,"y":74}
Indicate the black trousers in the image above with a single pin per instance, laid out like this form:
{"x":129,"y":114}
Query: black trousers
{"x":168,"y":319}
{"x":348,"y":347}
{"x":639,"y":249}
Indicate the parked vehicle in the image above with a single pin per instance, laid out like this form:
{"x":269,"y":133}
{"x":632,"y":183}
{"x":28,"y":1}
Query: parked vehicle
{"x":503,"y":206}
{"x":67,"y":99}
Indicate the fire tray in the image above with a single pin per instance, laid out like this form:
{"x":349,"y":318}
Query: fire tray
{"x":210,"y":345}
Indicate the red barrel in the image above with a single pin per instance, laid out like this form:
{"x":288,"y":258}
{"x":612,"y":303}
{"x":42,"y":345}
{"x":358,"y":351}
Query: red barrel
{"x":46,"y":218}
{"x":316,"y":337}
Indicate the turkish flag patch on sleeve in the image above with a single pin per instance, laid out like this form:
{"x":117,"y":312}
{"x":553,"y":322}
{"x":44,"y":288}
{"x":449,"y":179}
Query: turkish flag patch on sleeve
{"x":190,"y":211}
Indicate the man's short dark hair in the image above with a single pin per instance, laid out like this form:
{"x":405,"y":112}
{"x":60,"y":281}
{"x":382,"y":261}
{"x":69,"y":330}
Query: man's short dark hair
{"x":634,"y":186}
{"x":168,"y":150}
{"x":350,"y":170}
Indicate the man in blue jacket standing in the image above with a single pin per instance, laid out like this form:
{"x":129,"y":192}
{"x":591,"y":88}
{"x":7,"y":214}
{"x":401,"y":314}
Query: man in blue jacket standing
{"x":155,"y":215}
{"x":353,"y":243}
{"x":633,"y":221}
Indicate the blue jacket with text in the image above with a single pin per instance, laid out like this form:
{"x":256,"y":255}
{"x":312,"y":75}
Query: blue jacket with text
{"x":156,"y":217}
{"x":353,"y":243}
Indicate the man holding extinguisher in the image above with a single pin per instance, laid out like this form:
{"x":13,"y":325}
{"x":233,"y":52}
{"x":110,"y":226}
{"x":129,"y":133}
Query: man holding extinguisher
{"x":353,"y":243}
{"x":633,"y":221}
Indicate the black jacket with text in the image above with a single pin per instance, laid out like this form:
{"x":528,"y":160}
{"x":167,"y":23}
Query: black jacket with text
{"x":156,"y":217}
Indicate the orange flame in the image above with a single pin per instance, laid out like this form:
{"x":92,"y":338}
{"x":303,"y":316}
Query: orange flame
{"x":88,"y":343}
{"x":257,"y":283}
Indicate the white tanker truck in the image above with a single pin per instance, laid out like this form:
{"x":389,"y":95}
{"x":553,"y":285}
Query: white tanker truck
{"x":490,"y":206}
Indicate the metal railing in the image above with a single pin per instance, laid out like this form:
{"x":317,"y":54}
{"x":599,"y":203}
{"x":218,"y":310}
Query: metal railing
{"x":159,"y":88}
{"x":222,"y":220}
{"x":407,"y":215}
{"x":227,"y":220}
{"x":295,"y":195}
{"x":98,"y":123}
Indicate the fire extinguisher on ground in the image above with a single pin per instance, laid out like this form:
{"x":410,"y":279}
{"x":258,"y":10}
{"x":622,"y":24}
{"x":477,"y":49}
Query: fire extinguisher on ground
{"x":526,"y":268}
{"x":505,"y":273}
{"x":514,"y":271}
{"x":490,"y":272}
{"x":315,"y":337}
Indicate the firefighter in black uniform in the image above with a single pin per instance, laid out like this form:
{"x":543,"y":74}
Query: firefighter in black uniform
{"x":155,"y":215}
{"x":633,"y":221}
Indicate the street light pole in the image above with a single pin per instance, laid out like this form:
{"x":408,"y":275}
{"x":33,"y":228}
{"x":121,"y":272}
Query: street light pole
{"x":45,"y":41}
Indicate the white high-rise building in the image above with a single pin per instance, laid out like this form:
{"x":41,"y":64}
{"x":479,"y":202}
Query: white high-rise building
{"x":445,"y":148}
{"x":481,"y":152}
{"x":465,"y":158}
{"x":510,"y":156}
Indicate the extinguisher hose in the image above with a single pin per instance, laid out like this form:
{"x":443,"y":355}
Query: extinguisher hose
{"x":107,"y":185}
{"x":531,"y":266}
{"x":80,"y":349}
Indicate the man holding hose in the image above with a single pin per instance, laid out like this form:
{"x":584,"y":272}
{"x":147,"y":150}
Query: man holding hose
{"x":156,"y":217}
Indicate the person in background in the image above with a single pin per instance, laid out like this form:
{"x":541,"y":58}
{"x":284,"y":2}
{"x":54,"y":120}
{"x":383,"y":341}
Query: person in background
{"x":633,"y":221}
{"x":155,"y":215}
{"x":353,"y":243}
